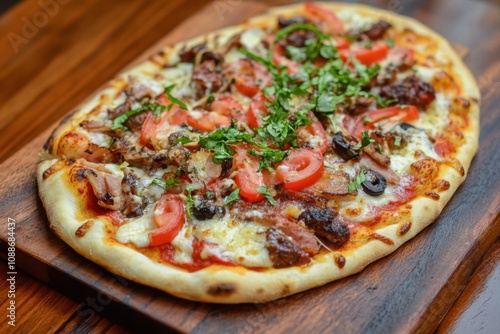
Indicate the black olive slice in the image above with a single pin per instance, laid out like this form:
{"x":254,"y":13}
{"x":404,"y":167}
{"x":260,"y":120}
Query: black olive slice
{"x":406,"y":126}
{"x":343,"y":148}
{"x":374,"y":183}
{"x":206,"y":210}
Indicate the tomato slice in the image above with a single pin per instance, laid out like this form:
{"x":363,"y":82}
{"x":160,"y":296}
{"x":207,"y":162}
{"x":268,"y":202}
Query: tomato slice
{"x":301,"y":169}
{"x":169,"y":217}
{"x":257,"y":110}
{"x":248,"y":179}
{"x":366,"y":56}
{"x":249,"y":76}
{"x":161,"y":123}
{"x":341,"y":43}
{"x":398,"y":113}
{"x":228,"y":106}
{"x":332,"y":24}
{"x":208,"y":121}
{"x":316,"y":129}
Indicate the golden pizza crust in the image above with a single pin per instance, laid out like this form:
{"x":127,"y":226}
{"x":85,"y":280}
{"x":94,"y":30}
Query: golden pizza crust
{"x":220,"y":284}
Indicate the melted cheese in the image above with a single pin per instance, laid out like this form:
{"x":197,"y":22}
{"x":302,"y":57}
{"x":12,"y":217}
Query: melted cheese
{"x":242,"y":242}
{"x":137,"y":230}
{"x":354,"y":21}
{"x":435,"y":118}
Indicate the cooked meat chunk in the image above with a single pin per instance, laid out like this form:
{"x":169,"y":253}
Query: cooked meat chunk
{"x":377,"y":30}
{"x":121,"y":109}
{"x":208,"y":76}
{"x":130,"y":182}
{"x":283,"y":252}
{"x":188,"y":56}
{"x":411,"y":91}
{"x":298,"y":38}
{"x":134,"y":123}
{"x":325,"y":224}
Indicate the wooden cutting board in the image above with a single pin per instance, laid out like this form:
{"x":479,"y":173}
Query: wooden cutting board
{"x":408,"y":291}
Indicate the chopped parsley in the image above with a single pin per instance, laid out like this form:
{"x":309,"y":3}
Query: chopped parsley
{"x":232,"y":197}
{"x":357,"y":181}
{"x":173,"y":99}
{"x":219,"y":141}
{"x":365,"y":141}
{"x":397,"y":140}
{"x":268,"y":157}
{"x":190,"y":200}
{"x":390,"y":42}
{"x":325,"y":87}
{"x":264,"y":190}
{"x":183,"y":140}
{"x":171,"y":182}
{"x":119,"y":122}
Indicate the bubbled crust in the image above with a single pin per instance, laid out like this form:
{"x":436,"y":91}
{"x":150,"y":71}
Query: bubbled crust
{"x":219,"y":284}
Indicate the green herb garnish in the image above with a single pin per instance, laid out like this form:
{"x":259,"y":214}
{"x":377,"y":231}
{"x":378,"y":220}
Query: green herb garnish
{"x":173,"y":99}
{"x":171,"y":182}
{"x":357,"y":181}
{"x":183,"y":140}
{"x":268,"y":157}
{"x":264,"y":190}
{"x":190,"y":200}
{"x":397,"y":140}
{"x":232,"y":197}
{"x":365,"y":141}
{"x":118,"y":122}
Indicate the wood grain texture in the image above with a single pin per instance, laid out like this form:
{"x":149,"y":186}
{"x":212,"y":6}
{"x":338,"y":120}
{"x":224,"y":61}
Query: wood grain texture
{"x":476,"y":310}
{"x":80,"y":48}
{"x":411,"y":290}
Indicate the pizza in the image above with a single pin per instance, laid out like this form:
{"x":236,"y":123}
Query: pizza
{"x":266,"y":158}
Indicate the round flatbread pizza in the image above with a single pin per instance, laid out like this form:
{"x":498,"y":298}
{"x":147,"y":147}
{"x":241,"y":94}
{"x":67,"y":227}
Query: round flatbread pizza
{"x":267,"y":158}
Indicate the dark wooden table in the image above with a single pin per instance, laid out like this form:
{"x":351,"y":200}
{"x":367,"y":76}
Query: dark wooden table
{"x":48,"y":68}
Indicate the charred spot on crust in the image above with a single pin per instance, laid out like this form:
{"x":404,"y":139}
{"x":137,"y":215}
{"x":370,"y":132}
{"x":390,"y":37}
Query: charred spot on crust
{"x":432,"y":194}
{"x":221,"y":290}
{"x":285,"y":290}
{"x":83,"y":229}
{"x":323,"y":223}
{"x":339,"y":260}
{"x":383,"y":238}
{"x":404,"y":228}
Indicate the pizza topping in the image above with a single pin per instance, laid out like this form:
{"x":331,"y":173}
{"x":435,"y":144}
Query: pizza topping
{"x":374,"y":183}
{"x":168,"y":216}
{"x":206,"y":210}
{"x":283,"y":252}
{"x":208,"y":75}
{"x":375,"y":32}
{"x":302,"y":115}
{"x":324,"y":18}
{"x":301,"y":169}
{"x":344,"y":148}
{"x":325,"y":224}
{"x":411,"y":90}
{"x":188,"y":56}
{"x":106,"y":186}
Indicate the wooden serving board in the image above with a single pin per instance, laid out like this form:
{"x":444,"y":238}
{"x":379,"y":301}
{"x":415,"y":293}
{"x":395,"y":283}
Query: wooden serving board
{"x":408,"y":291}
